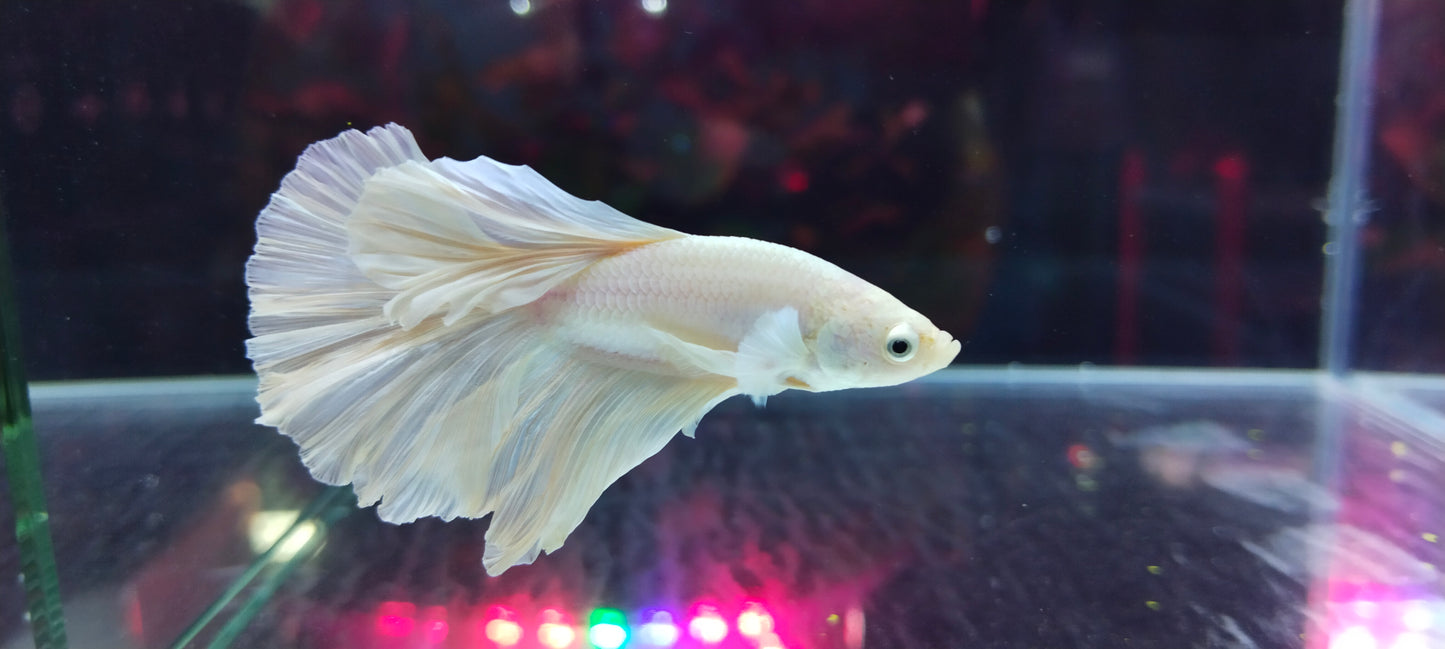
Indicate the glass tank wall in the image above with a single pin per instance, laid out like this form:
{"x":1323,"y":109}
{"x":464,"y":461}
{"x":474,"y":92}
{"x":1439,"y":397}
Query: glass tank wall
{"x":1194,"y":251}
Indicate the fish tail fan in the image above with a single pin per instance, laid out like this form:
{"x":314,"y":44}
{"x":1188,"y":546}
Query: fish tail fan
{"x":494,"y":417}
{"x":301,"y":267}
{"x":390,"y":348}
{"x":309,"y":301}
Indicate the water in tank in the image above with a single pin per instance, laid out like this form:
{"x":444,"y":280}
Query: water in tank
{"x":1189,"y":256}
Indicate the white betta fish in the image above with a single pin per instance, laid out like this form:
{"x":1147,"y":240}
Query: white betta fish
{"x":464,"y":338}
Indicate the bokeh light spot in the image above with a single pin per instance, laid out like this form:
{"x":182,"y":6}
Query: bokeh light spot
{"x":395,"y":619}
{"x":1410,"y":640}
{"x":707,"y":626}
{"x":1355,"y":637}
{"x":608,"y":629}
{"x":1418,"y":615}
{"x":659,"y":630}
{"x":554,"y":632}
{"x":607,"y":636}
{"x":505,"y":633}
{"x":754,"y":621}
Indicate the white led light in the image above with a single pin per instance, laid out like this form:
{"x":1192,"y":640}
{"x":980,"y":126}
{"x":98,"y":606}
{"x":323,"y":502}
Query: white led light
{"x":267,"y":526}
{"x":1355,"y":637}
{"x":607,"y":636}
{"x":1410,"y":640}
{"x":1419,"y":615}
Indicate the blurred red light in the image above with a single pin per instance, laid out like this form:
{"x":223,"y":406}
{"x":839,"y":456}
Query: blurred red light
{"x":707,"y":626}
{"x":1231,"y":167}
{"x":1082,"y":457}
{"x":394,"y":619}
{"x":755,"y":620}
{"x":501,"y":613}
{"x":436,"y":631}
{"x":134,"y":616}
{"x":436,"y":627}
{"x":794,"y":181}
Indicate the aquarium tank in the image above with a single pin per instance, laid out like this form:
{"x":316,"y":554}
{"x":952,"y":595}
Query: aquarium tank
{"x":1194,"y":252}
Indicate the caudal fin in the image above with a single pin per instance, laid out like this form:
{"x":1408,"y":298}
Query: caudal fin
{"x":301,"y":277}
{"x":388,"y":343}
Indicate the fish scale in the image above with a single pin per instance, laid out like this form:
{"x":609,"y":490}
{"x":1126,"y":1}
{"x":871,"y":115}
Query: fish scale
{"x":717,"y":286}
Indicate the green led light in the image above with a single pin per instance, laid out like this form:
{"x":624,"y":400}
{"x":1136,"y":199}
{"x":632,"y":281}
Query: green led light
{"x":607,"y":616}
{"x":608,"y":628}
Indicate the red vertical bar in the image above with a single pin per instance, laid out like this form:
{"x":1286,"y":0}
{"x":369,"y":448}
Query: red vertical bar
{"x":1231,"y":174}
{"x":1131,"y":249}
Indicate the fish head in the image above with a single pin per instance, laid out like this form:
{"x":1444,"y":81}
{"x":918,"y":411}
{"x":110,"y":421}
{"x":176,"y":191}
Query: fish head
{"x":878,"y":341}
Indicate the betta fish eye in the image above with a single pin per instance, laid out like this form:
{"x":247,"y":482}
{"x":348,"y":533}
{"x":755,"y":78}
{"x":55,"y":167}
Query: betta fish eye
{"x":902,"y":343}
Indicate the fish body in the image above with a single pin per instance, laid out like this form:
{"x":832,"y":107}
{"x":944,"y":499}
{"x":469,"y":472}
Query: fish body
{"x":463,"y":338}
{"x":710,"y":293}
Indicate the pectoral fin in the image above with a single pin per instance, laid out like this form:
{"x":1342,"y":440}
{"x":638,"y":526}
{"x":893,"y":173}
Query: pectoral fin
{"x":771,"y":352}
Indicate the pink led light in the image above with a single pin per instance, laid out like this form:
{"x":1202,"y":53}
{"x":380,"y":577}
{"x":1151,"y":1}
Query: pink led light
{"x":505,"y":633}
{"x":436,"y":631}
{"x":394,"y":619}
{"x":554,"y":632}
{"x":501,"y":627}
{"x":708,"y":626}
{"x":436,"y":625}
{"x":556,"y":636}
{"x":754,"y":621}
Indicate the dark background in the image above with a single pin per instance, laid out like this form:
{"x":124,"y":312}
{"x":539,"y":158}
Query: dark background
{"x":1105,"y":181}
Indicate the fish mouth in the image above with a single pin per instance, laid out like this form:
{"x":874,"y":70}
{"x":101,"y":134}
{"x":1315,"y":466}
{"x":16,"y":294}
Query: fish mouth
{"x":956,"y":348}
{"x":946,"y":349}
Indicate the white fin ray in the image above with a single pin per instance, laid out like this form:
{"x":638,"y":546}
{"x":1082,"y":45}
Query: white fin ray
{"x":583,"y":426}
{"x":696,"y":360}
{"x":463,"y":421}
{"x":492,"y":419}
{"x":473,"y":412}
{"x":772,"y":349}
{"x":366,"y":413}
{"x":453,"y":236}
{"x":305,"y":292}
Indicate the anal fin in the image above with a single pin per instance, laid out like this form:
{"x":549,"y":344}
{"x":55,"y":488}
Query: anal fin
{"x":588,"y":425}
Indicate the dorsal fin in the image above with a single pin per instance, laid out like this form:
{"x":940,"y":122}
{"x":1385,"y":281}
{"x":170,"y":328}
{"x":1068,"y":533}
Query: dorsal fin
{"x":451,"y":237}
